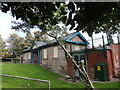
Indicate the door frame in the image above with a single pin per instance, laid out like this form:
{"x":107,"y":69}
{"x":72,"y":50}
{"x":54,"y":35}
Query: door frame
{"x":81,"y":53}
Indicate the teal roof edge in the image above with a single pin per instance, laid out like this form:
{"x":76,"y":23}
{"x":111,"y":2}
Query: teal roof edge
{"x":78,"y":33}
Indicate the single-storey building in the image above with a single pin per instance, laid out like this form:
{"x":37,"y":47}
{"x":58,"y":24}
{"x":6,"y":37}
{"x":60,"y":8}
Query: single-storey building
{"x":100,"y":63}
{"x":52,"y":55}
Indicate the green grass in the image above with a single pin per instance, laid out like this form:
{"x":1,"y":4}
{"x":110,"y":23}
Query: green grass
{"x":37,"y":72}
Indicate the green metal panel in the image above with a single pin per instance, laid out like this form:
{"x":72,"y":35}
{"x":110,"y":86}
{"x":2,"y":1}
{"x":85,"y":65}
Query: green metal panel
{"x":39,"y":56}
{"x":100,"y":71}
{"x":32,"y":57}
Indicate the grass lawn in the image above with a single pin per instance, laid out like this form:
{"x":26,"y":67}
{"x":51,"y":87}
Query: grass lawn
{"x":37,"y":72}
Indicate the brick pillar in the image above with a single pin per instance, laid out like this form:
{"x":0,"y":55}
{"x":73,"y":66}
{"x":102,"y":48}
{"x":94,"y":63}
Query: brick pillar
{"x":115,"y":48}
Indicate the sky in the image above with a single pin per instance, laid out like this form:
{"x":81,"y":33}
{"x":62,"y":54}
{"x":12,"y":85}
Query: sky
{"x":5,"y":25}
{"x":5,"y":30}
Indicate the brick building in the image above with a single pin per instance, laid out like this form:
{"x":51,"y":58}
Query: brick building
{"x":101,"y":63}
{"x":52,"y":56}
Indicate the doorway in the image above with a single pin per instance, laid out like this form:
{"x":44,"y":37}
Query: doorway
{"x":36,"y":57}
{"x":81,"y":61}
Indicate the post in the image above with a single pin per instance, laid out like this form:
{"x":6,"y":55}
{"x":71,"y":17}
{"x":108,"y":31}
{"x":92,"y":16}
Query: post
{"x":21,"y":60}
{"x":103,"y":42}
{"x":92,"y":43}
{"x":104,"y":46}
{"x":118,"y":39}
{"x":47,"y":81}
{"x":49,"y":85}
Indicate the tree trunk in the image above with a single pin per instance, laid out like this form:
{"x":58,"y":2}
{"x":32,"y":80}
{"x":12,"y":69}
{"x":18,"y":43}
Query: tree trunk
{"x":82,"y":72}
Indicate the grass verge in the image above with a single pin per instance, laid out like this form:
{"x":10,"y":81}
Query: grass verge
{"x":37,"y":72}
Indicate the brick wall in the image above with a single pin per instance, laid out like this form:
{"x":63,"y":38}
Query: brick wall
{"x":116,"y":59}
{"x":110,"y":64}
{"x":58,"y":65}
{"x":26,"y":57}
{"x":77,"y":39}
{"x":70,"y":67}
{"x":73,"y":47}
{"x":99,"y":57}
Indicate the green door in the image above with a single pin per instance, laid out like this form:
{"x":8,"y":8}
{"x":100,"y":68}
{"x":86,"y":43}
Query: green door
{"x":100,"y":71}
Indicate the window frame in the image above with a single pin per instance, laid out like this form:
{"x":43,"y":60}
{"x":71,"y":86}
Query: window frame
{"x":29,"y":54}
{"x":44,"y":53}
{"x":55,"y":52}
{"x":77,"y":47}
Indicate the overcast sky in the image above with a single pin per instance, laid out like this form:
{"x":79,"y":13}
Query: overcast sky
{"x":5,"y":29}
{"x":5,"y":25}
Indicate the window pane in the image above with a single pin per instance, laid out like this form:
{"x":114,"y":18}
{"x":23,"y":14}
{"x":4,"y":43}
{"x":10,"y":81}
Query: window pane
{"x":77,"y":47}
{"x":55,"y":52}
{"x":45,"y":53}
{"x":29,"y":55}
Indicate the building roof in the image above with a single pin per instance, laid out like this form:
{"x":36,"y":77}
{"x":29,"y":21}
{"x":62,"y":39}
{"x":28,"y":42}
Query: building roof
{"x":35,"y":45}
{"x":66,"y":38}
{"x":63,"y":38}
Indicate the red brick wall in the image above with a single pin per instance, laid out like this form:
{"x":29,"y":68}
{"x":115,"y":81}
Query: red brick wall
{"x":73,"y":47}
{"x":110,"y":64}
{"x":99,"y":57}
{"x":116,"y":58}
{"x":58,"y":65}
{"x":70,"y":67}
{"x":77,"y":39}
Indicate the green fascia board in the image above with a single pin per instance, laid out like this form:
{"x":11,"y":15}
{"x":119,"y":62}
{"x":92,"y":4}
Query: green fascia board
{"x":79,"y":43}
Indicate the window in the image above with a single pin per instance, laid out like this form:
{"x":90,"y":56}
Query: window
{"x":77,"y":47}
{"x":55,"y":55}
{"x":68,"y":47}
{"x":29,"y":55}
{"x":25,"y":56}
{"x":45,"y":53}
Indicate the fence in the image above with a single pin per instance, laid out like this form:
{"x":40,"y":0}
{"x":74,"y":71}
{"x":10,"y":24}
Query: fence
{"x":47,"y":81}
{"x":98,"y":41}
{"x":15,"y":60}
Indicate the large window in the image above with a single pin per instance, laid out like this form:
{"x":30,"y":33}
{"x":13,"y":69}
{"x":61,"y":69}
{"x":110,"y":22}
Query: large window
{"x":55,"y":52}
{"x":45,"y":53}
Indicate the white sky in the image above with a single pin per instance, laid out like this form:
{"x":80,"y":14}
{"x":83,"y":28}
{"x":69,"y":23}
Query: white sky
{"x":5,"y":29}
{"x":5,"y":25}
